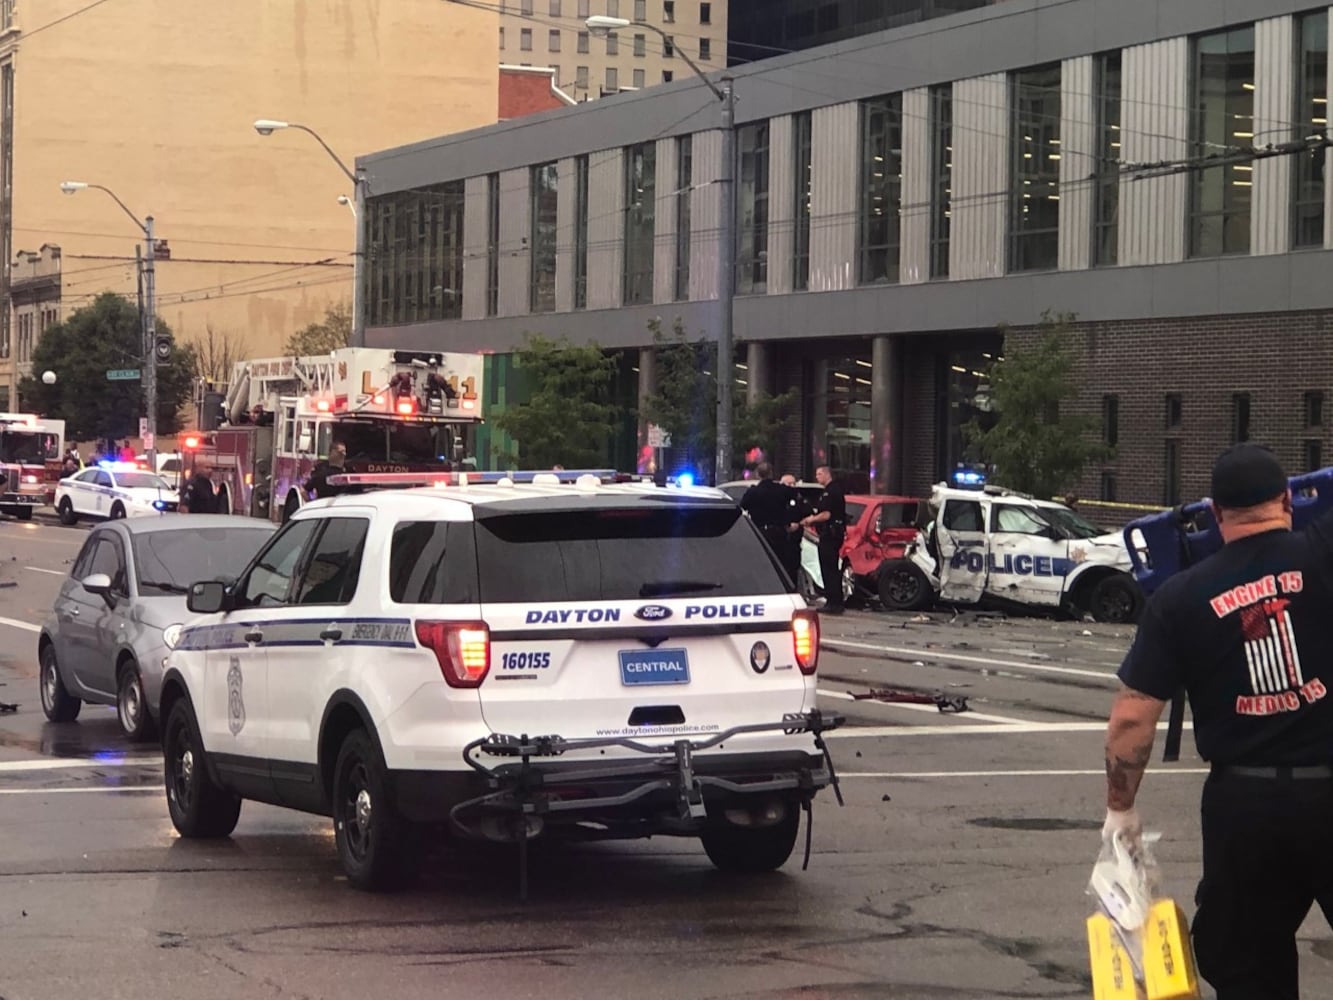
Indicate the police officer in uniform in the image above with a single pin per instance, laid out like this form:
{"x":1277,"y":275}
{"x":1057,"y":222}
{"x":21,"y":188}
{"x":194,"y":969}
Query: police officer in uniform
{"x":1247,"y":633}
{"x":199,"y":495}
{"x":334,"y":465}
{"x":773,"y":509}
{"x":830,"y":520}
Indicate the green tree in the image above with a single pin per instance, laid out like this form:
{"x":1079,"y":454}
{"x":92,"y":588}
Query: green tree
{"x":1033,"y":446}
{"x":334,"y":331}
{"x":685,"y":403}
{"x":567,"y":418}
{"x":104,"y":335}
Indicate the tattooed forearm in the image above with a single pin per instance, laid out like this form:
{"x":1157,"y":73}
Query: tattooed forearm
{"x":1129,"y":742}
{"x":1124,"y":772}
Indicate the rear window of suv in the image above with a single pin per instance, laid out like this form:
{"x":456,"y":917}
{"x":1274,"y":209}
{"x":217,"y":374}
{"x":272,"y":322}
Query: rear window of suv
{"x":620,"y":554}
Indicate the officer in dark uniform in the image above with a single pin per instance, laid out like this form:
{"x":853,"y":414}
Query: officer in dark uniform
{"x":773,"y":509}
{"x":334,"y":465}
{"x":830,"y":520}
{"x":1247,"y":633}
{"x":199,"y":495}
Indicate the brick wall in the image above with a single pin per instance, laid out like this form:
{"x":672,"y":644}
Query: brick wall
{"x":1275,"y":357}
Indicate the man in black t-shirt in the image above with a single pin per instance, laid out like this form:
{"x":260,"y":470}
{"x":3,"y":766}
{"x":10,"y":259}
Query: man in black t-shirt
{"x":1248,"y":634}
{"x":830,"y":520}
{"x":772,"y":508}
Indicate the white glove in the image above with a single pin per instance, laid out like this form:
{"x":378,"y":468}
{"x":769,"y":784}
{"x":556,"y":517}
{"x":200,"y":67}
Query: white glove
{"x":1124,"y":822}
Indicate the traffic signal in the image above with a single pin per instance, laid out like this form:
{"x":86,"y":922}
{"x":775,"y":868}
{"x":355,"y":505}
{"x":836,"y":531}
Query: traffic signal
{"x":162,"y":349}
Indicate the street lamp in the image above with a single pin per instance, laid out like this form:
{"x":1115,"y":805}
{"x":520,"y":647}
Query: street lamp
{"x":344,"y":200}
{"x":602,"y":25}
{"x":48,"y":377}
{"x":150,"y":356}
{"x":266,"y":127}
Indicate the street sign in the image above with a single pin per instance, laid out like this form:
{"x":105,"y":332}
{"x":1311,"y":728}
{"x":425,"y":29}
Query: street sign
{"x":147,"y":441}
{"x":143,"y":428}
{"x":657,"y":437}
{"x":122,"y":374}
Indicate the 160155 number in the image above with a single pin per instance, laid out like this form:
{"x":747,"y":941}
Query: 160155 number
{"x":525,"y":661}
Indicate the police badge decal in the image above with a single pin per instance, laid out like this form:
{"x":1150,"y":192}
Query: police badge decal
{"x":235,"y":699}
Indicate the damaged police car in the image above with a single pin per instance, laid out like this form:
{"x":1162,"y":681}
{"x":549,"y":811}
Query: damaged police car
{"x":581,"y":661}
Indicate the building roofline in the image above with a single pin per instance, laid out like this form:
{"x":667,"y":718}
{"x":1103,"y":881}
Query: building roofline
{"x":556,"y":92}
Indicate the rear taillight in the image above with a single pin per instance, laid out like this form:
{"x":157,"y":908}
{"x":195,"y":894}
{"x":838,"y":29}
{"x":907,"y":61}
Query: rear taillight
{"x":805,"y":640}
{"x":463,"y":650}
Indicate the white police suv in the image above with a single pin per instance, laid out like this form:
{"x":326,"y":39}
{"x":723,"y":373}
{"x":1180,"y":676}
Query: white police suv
{"x":112,"y":490}
{"x":510,"y":661}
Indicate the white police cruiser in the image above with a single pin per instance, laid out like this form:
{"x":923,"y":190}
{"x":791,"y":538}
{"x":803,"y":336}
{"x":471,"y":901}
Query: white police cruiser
{"x":509,"y":660}
{"x":997,"y":545}
{"x":112,"y":490}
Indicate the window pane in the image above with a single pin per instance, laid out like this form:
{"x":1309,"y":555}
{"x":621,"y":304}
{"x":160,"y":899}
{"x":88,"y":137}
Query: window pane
{"x":684,"y":183}
{"x":752,"y":207}
{"x":705,"y":49}
{"x":640,"y":44}
{"x":432,"y":562}
{"x":492,"y":244}
{"x":612,"y":80}
{"x":640,"y":222}
{"x":1106,"y":223}
{"x":881,"y":182}
{"x":331,"y":575}
{"x":1223,"y":120}
{"x":271,"y":577}
{"x":639,"y":79}
{"x":553,"y":41}
{"x":541,"y":285}
{"x":1311,"y":124}
{"x":583,"y":47}
{"x":612,"y":44}
{"x":1034,"y":203}
{"x":525,"y":39}
{"x":801,"y":142}
{"x":941,"y":163}
{"x":415,"y":252}
{"x":581,"y":232}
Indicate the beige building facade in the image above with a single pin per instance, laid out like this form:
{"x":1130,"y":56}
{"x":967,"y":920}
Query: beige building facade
{"x":155,"y":99}
{"x":553,"y":33}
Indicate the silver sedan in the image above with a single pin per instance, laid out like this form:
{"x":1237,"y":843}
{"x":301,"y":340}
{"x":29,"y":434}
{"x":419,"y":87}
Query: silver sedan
{"x":120,"y":610}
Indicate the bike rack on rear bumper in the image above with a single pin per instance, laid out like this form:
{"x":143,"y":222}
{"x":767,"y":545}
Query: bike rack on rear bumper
{"x":521,"y":788}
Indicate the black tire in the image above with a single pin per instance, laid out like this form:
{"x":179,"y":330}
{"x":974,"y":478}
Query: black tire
{"x":136,"y":722}
{"x":117,"y":511}
{"x":1116,"y":600}
{"x":751,"y":849}
{"x":58,"y":704}
{"x":200,"y":809}
{"x":66,"y":512}
{"x":23,"y":513}
{"x":371,"y":840}
{"x":903,"y":587}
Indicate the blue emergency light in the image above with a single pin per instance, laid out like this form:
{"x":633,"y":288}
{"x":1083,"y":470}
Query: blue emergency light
{"x":969,"y":479}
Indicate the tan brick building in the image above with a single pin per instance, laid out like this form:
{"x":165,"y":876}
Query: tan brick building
{"x":553,"y":33}
{"x":155,"y":99}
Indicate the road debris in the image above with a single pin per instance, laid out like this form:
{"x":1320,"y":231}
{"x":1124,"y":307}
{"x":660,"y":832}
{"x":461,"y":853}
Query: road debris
{"x":945,"y":703}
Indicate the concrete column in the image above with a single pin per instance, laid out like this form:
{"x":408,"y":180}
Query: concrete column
{"x":647,"y":386}
{"x":757,"y":376}
{"x":886,"y":426}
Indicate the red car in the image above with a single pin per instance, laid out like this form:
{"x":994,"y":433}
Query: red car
{"x":879,"y":528}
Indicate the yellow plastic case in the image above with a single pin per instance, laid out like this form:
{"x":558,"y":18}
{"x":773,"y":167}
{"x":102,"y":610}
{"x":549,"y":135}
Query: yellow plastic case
{"x":1168,"y":954}
{"x":1112,"y":972}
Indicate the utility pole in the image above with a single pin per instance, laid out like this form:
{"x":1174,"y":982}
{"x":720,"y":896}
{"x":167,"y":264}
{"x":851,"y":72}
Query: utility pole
{"x":360,"y":291}
{"x":150,"y":341}
{"x":726,"y":284}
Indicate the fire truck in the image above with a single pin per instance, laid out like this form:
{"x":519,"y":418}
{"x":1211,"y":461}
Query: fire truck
{"x":31,"y":448}
{"x":393,"y":411}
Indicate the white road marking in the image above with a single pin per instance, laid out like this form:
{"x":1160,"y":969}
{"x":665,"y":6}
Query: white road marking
{"x":73,"y":763}
{"x":50,"y":572}
{"x":1009,"y":729}
{"x":1099,"y":772}
{"x":15,"y":623}
{"x":936,"y":654}
{"x":67,"y":791}
{"x":969,"y":715}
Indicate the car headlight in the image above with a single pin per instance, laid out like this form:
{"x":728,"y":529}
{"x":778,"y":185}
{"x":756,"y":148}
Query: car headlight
{"x":171,"y":635}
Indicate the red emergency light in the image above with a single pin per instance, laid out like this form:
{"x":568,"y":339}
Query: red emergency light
{"x":322,"y":405}
{"x":191,"y":442}
{"x":406,"y":407}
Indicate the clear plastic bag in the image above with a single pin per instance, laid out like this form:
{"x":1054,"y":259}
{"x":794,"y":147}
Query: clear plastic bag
{"x":1125,"y":881}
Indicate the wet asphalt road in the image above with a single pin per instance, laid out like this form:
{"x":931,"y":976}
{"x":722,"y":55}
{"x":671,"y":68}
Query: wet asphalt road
{"x":955,"y":870}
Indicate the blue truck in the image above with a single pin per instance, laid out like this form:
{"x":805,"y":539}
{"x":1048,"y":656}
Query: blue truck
{"x":1161,"y":545}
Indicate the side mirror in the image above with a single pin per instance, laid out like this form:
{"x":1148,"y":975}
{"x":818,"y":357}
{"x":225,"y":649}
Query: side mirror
{"x":97,"y":583}
{"x":208,"y":597}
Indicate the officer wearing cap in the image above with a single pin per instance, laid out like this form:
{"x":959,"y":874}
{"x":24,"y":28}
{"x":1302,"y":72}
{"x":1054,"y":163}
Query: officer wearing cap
{"x":1247,"y":633}
{"x":774,"y":509}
